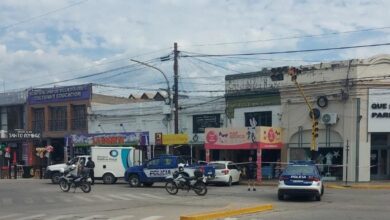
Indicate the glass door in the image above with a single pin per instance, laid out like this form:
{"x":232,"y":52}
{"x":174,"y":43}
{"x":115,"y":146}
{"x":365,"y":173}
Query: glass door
{"x":374,"y":158}
{"x":380,"y":164}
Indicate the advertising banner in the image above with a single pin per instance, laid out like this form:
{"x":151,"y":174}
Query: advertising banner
{"x":270,"y":137}
{"x":59,"y":94}
{"x":230,"y":138}
{"x":243,"y":138}
{"x":110,"y":139}
{"x":171,"y":139}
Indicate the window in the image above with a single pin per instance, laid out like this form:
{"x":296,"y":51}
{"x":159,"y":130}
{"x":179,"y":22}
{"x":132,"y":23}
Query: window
{"x":218,"y":166}
{"x":232,"y":167}
{"x":79,"y":120}
{"x":153,"y":163}
{"x":58,"y":118}
{"x":38,"y":123}
{"x":258,"y":119}
{"x":200,"y":122}
{"x":167,"y":161}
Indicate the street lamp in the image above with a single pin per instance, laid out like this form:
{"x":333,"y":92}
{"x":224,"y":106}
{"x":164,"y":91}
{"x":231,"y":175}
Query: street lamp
{"x":166,"y":79}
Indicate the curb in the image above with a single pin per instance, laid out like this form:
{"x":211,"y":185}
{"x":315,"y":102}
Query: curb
{"x":227,"y":213}
{"x":358,"y":187}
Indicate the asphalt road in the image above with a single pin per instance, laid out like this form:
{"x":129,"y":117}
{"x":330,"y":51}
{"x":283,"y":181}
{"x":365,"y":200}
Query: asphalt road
{"x":26,"y":199}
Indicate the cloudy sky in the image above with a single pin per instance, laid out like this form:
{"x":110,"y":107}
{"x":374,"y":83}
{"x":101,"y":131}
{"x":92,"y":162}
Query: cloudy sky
{"x":65,"y":42}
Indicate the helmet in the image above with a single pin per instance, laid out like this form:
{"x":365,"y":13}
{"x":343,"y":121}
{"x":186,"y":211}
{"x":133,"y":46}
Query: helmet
{"x":181,"y":167}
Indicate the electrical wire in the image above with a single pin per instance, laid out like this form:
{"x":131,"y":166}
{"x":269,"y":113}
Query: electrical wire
{"x":290,"y":51}
{"x":30,"y":19}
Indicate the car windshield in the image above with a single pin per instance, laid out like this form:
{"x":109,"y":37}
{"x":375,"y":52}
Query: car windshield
{"x":218,"y":166}
{"x":299,"y":169}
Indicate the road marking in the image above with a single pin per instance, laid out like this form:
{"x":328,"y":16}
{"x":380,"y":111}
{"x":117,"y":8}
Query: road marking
{"x":48,"y":200}
{"x":29,"y":200}
{"x":9,"y":216}
{"x":32,"y":217}
{"x":152,"y":217}
{"x":93,"y":217}
{"x":103,"y":198}
{"x":152,"y":196}
{"x":122,"y":217}
{"x":133,"y":196}
{"x":83,"y":198}
{"x":62,"y":217}
{"x":7,"y":201}
{"x":119,"y":197}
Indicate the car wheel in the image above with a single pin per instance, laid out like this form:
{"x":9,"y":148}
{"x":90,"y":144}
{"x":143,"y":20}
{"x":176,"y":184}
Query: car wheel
{"x":229,"y":183}
{"x":134,"y":180}
{"x":318,"y":197}
{"x":280,"y":196}
{"x":55,"y":178}
{"x":108,"y":178}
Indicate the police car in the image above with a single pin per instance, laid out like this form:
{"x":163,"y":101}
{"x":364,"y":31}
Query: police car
{"x":301,"y":178}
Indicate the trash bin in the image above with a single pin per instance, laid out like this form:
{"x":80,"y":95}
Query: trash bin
{"x":27,"y":172}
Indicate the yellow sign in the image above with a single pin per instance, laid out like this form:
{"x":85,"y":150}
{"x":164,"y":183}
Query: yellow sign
{"x":170,"y":139}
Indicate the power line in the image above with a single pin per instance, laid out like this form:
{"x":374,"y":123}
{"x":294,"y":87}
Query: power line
{"x":289,"y":51}
{"x":292,"y":37}
{"x":216,"y":65}
{"x":42,"y":15}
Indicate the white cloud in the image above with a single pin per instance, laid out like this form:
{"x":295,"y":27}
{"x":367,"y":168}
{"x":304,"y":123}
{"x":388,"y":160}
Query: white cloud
{"x":97,"y":31}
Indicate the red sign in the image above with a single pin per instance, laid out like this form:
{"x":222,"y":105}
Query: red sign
{"x":110,"y":140}
{"x":211,"y":137}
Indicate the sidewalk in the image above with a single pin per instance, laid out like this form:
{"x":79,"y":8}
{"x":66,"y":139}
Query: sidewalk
{"x":382,"y":184}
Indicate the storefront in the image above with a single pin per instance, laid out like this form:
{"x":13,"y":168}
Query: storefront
{"x":378,"y":126}
{"x":237,"y":144}
{"x":80,"y":144}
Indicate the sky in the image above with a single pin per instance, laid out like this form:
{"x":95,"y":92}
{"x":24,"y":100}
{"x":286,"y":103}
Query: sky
{"x":45,"y":43}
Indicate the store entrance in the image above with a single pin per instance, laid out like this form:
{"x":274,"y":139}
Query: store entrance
{"x":380,"y":164}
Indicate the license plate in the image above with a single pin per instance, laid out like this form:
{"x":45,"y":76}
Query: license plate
{"x":297,"y":181}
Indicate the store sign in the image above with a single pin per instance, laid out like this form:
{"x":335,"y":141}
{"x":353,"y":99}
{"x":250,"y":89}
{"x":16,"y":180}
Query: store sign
{"x":171,"y":139}
{"x":243,"y":138}
{"x":60,"y":94}
{"x":110,"y":139}
{"x":379,"y":110}
{"x":200,"y":122}
{"x":22,"y":134}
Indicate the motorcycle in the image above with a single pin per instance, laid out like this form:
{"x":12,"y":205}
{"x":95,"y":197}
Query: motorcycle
{"x":182,"y":181}
{"x":67,"y":180}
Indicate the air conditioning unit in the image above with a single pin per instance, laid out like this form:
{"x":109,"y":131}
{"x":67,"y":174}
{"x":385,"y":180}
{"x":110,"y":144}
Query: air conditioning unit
{"x":3,"y":134}
{"x":329,"y":118}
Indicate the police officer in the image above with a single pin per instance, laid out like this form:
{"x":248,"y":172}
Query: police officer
{"x":90,"y":165}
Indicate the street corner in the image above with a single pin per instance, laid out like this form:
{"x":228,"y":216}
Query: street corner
{"x":228,"y":211}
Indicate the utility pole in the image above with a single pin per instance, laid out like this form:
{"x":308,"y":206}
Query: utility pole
{"x":176,"y":85}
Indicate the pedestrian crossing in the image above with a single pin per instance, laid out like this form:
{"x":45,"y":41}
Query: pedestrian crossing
{"x":45,"y":216}
{"x":81,"y":198}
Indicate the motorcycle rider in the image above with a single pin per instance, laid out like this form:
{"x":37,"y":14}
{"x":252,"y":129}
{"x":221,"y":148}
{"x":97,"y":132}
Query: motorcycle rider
{"x":183,"y":174}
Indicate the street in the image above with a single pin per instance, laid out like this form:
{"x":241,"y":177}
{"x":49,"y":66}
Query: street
{"x":26,"y":199}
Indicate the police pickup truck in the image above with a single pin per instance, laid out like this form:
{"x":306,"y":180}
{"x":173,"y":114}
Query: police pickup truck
{"x":157,"y":169}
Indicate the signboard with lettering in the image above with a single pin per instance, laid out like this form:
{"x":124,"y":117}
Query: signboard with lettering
{"x":22,"y":134}
{"x":110,"y":139}
{"x":170,"y":139}
{"x":59,"y":94}
{"x":200,"y":122}
{"x":243,"y":138}
{"x":379,"y":110}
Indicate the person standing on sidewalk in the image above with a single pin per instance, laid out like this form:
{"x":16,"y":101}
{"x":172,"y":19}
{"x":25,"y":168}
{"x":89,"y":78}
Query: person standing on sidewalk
{"x":251,"y":174}
{"x":90,"y":165}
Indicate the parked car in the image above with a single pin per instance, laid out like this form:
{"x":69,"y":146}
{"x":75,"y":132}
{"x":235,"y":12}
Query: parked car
{"x":158,"y":168}
{"x":301,"y":178}
{"x":225,"y":172}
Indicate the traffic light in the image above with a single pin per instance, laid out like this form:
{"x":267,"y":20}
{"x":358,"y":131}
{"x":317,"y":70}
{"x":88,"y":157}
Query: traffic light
{"x":314,"y":135}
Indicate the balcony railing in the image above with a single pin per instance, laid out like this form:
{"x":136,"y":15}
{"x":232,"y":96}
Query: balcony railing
{"x":79,"y":124}
{"x":38,"y":126}
{"x":58,"y":125}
